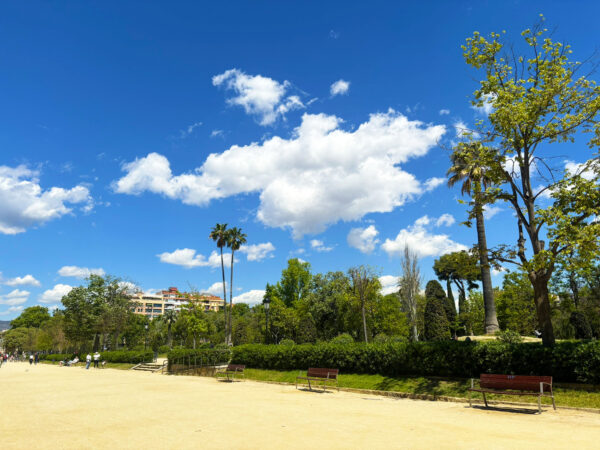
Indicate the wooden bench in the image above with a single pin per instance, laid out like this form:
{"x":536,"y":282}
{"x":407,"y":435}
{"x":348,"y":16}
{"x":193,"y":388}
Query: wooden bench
{"x":539,"y":386}
{"x":231,"y":371}
{"x":320,"y":375}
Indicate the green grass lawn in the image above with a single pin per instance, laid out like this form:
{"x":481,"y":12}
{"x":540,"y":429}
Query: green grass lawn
{"x":582,"y":398}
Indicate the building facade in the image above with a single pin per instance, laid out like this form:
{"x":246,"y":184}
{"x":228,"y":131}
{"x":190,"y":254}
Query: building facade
{"x":154,"y":305}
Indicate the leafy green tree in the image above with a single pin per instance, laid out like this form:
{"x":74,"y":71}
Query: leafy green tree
{"x":516,"y":310}
{"x":295,"y":282}
{"x":219,"y":235}
{"x":365,"y":283}
{"x":17,"y":339}
{"x":169,"y":318}
{"x":538,"y":98}
{"x":437,"y":326}
{"x":235,"y":239}
{"x":410,"y":285}
{"x":389,"y":320}
{"x":460,"y":268}
{"x":468,"y":166}
{"x":196,"y":325}
{"x":473,"y":315}
{"x":31,"y":317}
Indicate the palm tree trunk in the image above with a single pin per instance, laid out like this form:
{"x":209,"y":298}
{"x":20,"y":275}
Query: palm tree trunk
{"x":229,"y":327}
{"x":224,"y":296}
{"x":491,"y":320}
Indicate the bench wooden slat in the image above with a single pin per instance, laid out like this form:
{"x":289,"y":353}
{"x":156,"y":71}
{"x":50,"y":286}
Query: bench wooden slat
{"x":323,"y":375}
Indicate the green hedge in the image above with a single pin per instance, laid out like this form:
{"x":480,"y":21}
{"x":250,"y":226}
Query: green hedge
{"x":567,"y":361}
{"x":117,"y":356}
{"x":198,"y":356}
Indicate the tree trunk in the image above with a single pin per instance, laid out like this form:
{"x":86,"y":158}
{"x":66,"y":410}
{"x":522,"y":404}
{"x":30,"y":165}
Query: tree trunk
{"x":169,"y":336}
{"x":415,"y":333}
{"x":449,"y":289}
{"x":574,"y":289}
{"x":96,"y":342}
{"x":230,"y":316}
{"x":224,"y":296}
{"x":542,"y":306}
{"x":364,"y":318}
{"x":491,"y":321}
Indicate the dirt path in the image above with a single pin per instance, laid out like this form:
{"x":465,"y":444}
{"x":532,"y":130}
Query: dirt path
{"x":47,"y":406}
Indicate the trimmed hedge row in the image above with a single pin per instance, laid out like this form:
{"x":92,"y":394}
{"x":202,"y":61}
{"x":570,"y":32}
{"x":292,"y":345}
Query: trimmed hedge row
{"x":198,"y":356}
{"x":117,"y":356}
{"x":566,"y":361}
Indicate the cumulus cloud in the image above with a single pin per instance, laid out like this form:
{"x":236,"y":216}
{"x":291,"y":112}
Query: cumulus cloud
{"x":389,"y":284}
{"x":23,"y":202}
{"x":444,"y":112}
{"x":187,"y":257}
{"x":433,"y":182}
{"x":319,"y":246}
{"x":582,"y":169}
{"x":12,"y":309}
{"x":490,"y":211}
{"x":14,"y":298}
{"x":216,"y":288}
{"x":421,"y":240}
{"x":445,"y":220}
{"x":20,"y":281}
{"x":55,"y":294}
{"x":252,"y":297}
{"x":364,"y":239}
{"x":331,"y":174}
{"x":79,"y":272}
{"x":260,"y":96}
{"x":258,"y":252}
{"x":340,"y":87}
{"x":488,"y":105}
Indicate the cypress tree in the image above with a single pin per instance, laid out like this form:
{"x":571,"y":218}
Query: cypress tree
{"x":437,"y":310}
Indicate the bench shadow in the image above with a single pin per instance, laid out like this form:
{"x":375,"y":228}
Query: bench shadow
{"x":508,"y":409}
{"x":316,"y":391}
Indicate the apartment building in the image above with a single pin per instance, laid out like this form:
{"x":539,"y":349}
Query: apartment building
{"x":154,"y":305}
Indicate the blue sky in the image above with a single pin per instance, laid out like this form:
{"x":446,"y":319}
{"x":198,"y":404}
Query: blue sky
{"x":326,"y":124}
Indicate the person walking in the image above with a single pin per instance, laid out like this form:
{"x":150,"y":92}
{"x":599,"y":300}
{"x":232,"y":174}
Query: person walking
{"x":96,"y":359}
{"x":30,"y":359}
{"x":37,"y":358}
{"x":88,"y":361}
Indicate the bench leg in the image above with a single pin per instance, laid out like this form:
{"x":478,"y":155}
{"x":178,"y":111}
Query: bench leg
{"x":553,"y":404}
{"x":309,"y":387}
{"x":485,"y":400}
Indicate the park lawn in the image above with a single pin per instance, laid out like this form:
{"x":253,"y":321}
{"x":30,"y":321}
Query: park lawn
{"x":108,"y":365}
{"x":584,"y":397}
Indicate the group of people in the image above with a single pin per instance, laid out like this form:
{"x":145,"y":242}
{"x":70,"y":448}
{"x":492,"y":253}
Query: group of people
{"x":88,"y":360}
{"x":33,"y":358}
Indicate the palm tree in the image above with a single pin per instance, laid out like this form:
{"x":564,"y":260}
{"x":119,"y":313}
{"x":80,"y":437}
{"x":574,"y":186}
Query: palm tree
{"x":219,"y":235}
{"x":235,"y":239}
{"x":169,"y":317}
{"x":469,"y":166}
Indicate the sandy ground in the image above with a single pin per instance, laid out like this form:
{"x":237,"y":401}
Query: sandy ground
{"x":47,"y":406}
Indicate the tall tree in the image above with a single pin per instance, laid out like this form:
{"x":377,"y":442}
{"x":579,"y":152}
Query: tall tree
{"x":467,"y":167}
{"x":295,"y":282}
{"x":437,"y":326}
{"x":235,"y":239}
{"x":169,"y":317}
{"x":538,"y":98}
{"x":364,"y":281}
{"x":410,"y":284}
{"x":219,"y":235}
{"x":31,"y":317}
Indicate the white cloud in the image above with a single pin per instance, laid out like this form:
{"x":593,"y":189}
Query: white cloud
{"x":340,"y":87}
{"x":421,"y":241}
{"x":490,"y":211}
{"x":15,"y":297}
{"x":444,"y":112}
{"x":487,"y":107}
{"x":319,"y":246}
{"x":189,"y":130}
{"x":55,"y":294}
{"x":331,"y":174}
{"x":21,"y":281}
{"x":12,"y":309}
{"x":216,"y":133}
{"x":433,"y":182}
{"x":389,"y":284}
{"x":188,"y":258}
{"x":445,"y":220}
{"x":461,"y":129}
{"x":258,"y":252}
{"x":23,"y":202}
{"x":252,"y":297}
{"x":216,"y":288}
{"x":499,"y":271}
{"x":79,"y":272}
{"x":129,"y":287}
{"x":364,"y":239}
{"x":51,"y":308}
{"x":582,"y":169}
{"x":259,"y":96}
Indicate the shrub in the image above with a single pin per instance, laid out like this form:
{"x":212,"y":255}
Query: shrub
{"x":580,"y":322}
{"x":164,"y":349}
{"x":343,"y":339}
{"x":287,"y":342}
{"x":566,"y":361}
{"x":509,"y":337}
{"x":381,"y":338}
{"x":55,"y":357}
{"x":126,"y":356}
